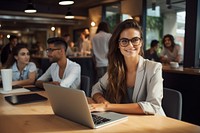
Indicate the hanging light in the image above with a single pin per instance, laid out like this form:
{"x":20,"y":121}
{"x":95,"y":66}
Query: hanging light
{"x":168,"y":4}
{"x":153,"y":4}
{"x":30,"y":8}
{"x":66,"y":2}
{"x":69,"y":14}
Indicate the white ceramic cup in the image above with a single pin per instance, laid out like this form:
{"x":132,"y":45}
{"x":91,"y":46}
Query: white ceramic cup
{"x":174,"y":64}
{"x":6,"y":75}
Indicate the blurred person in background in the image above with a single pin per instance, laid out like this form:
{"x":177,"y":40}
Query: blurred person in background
{"x":84,"y":43}
{"x":100,"y":48}
{"x":151,"y":53}
{"x":7,"y":49}
{"x":70,"y":49}
{"x":70,"y":45}
{"x":67,"y":38}
{"x":171,"y":51}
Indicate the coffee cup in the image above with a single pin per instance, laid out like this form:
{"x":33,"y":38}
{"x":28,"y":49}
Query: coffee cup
{"x":174,"y":64}
{"x":6,"y":75}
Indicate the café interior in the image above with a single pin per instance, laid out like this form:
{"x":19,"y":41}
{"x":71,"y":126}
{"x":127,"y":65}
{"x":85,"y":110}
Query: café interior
{"x":180,"y":18}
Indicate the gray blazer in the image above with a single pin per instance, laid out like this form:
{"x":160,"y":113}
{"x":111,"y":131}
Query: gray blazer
{"x":148,"y":90}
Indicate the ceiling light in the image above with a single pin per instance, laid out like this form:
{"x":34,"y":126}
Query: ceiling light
{"x":53,"y":28}
{"x":153,"y":4}
{"x":30,"y":8}
{"x":93,"y":23}
{"x":168,"y":4}
{"x":69,"y":14}
{"x":66,"y":2}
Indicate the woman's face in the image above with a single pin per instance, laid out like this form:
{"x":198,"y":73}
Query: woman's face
{"x":130,"y":42}
{"x":23,"y":56}
{"x":167,"y":42}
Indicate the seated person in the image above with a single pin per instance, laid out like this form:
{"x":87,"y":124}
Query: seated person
{"x":132,"y":84}
{"x":7,"y":49}
{"x":24,"y":71}
{"x":151,"y":53}
{"x":171,"y":51}
{"x":70,"y":49}
{"x":62,"y":71}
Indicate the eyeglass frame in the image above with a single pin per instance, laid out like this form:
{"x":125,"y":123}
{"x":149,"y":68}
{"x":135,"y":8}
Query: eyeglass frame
{"x":134,"y":43}
{"x":50,"y":50}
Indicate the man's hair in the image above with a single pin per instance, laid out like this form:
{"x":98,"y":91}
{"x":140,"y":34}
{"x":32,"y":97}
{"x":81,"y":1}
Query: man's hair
{"x":12,"y":37}
{"x":57,"y":41}
{"x":154,"y":43}
{"x":66,"y":35}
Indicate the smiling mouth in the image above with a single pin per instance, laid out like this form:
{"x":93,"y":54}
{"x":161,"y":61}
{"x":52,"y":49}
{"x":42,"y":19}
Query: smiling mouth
{"x":130,"y":50}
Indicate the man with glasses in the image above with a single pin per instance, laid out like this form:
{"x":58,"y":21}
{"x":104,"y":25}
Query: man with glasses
{"x":62,"y":71}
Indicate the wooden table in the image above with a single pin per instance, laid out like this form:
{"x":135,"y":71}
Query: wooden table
{"x":39,"y":118}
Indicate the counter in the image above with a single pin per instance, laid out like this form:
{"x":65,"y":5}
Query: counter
{"x":181,"y":70}
{"x":187,"y":81}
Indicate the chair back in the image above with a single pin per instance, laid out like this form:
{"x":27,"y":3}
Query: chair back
{"x":172,"y":103}
{"x":85,"y":84}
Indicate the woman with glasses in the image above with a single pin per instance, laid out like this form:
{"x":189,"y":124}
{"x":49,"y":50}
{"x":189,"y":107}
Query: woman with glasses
{"x":132,"y":84}
{"x":24,"y":72}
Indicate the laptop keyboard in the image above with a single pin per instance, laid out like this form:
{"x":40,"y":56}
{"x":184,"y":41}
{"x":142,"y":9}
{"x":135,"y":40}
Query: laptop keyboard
{"x":98,"y":119}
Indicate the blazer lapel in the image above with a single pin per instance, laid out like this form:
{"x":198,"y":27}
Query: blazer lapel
{"x":139,"y":79}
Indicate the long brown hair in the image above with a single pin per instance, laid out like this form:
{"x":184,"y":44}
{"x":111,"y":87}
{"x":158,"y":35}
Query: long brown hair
{"x":11,"y":59}
{"x":117,"y":86}
{"x":171,"y":38}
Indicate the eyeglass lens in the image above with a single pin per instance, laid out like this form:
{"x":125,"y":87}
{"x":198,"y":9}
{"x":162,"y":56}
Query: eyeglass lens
{"x":49,"y":50}
{"x":125,"y":41}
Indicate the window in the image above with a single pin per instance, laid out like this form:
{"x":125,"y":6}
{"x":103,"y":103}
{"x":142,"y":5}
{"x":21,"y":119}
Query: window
{"x":112,"y":15}
{"x":165,"y":18}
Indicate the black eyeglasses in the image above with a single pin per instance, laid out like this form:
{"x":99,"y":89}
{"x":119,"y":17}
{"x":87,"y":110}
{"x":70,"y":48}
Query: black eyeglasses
{"x":124,"y":42}
{"x":50,"y":50}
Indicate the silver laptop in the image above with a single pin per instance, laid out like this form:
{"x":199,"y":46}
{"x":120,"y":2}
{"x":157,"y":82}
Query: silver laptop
{"x":72,"y":104}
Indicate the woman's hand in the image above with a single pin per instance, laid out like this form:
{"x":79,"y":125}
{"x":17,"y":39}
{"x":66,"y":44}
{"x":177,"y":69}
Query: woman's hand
{"x":98,"y":107}
{"x":98,"y":98}
{"x":90,"y":100}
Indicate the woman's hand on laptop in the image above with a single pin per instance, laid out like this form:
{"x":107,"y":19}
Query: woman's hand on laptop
{"x":98,"y":107}
{"x":90,"y":100}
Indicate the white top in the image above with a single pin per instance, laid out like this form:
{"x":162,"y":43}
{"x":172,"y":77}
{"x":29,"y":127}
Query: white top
{"x":100,"y":48}
{"x":71,"y":76}
{"x":86,"y":45}
{"x":69,"y":51}
{"x":30,"y":67}
{"x":172,"y":55}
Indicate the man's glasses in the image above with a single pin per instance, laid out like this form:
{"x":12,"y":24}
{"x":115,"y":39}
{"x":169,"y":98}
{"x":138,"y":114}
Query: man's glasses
{"x":50,"y":50}
{"x":124,"y":42}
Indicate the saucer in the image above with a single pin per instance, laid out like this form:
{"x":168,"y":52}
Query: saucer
{"x":14,"y":91}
